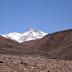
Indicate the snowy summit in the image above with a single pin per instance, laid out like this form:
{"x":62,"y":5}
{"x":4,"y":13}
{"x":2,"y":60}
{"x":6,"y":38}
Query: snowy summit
{"x":31,"y":34}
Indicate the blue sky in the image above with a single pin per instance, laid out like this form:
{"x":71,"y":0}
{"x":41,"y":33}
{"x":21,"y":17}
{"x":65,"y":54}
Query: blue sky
{"x":46,"y":15}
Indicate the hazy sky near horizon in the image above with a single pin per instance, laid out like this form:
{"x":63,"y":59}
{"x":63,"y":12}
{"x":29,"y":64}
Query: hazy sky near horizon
{"x":46,"y":15}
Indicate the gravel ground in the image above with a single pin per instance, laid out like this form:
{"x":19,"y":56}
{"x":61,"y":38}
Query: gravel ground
{"x":10,"y":63}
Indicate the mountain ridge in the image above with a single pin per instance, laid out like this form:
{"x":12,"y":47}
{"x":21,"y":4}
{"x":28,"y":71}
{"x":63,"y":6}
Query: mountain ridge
{"x":31,"y":34}
{"x":56,"y":45}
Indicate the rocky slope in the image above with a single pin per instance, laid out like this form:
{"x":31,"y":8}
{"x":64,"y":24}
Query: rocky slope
{"x":55,"y":45}
{"x":52,"y":53}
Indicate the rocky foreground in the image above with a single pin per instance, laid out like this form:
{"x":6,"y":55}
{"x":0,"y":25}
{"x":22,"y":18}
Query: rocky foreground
{"x":10,"y":63}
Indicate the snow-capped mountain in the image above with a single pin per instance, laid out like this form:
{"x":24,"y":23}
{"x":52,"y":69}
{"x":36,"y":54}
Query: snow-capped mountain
{"x":31,"y":34}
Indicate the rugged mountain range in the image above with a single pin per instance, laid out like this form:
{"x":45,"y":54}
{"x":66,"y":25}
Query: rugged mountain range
{"x":55,"y":45}
{"x":31,"y":34}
